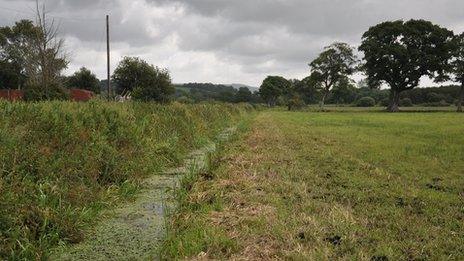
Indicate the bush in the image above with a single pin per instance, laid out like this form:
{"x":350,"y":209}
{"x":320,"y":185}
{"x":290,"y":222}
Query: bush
{"x":366,"y":102}
{"x":62,"y":162}
{"x":295,"y":103}
{"x":384,"y":102}
{"x":185,"y":100}
{"x":55,"y":91}
{"x":441,"y":103}
{"x":406,"y":102}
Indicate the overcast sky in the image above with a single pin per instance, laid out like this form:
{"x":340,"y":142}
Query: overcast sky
{"x":223,"y":41}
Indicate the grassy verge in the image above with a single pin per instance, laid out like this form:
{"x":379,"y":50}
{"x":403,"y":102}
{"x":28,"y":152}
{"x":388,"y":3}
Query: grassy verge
{"x":311,"y":186}
{"x":62,"y":163}
{"x":185,"y":238}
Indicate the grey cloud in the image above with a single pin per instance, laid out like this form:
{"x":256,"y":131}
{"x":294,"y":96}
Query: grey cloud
{"x":326,"y":17}
{"x":256,"y":36}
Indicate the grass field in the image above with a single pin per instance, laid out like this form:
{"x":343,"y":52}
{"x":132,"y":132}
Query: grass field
{"x":325,"y":186}
{"x":61,"y":163}
{"x":336,"y":108}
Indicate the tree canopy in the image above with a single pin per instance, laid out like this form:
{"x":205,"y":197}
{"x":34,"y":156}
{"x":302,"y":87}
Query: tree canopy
{"x":244,"y":95}
{"x":84,"y":79}
{"x":273,"y":87}
{"x":343,"y":92}
{"x":15,"y":45}
{"x":143,"y":81}
{"x":399,"y":53}
{"x":336,"y":62}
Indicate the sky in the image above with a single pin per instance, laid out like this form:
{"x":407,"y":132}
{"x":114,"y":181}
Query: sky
{"x":223,"y":41}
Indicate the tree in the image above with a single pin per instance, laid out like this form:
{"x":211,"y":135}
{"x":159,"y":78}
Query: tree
{"x":344,"y":92}
{"x":144,"y":81}
{"x":457,"y":67}
{"x":15,"y":45}
{"x":291,"y":97}
{"x":256,"y":98}
{"x":45,"y":60}
{"x":336,"y":62}
{"x":399,"y":53}
{"x":84,"y":79}
{"x":308,"y":89}
{"x":272,"y":88}
{"x":130,"y":73}
{"x":32,"y":55}
{"x":243,"y":95}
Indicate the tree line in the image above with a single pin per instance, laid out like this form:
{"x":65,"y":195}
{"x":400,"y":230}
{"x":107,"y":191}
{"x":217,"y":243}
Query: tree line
{"x":199,"y":92}
{"x":397,"y":54}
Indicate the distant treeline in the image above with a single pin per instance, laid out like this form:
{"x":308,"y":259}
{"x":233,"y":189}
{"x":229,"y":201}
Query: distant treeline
{"x":198,"y":92}
{"x":343,"y":94}
{"x":348,"y":93}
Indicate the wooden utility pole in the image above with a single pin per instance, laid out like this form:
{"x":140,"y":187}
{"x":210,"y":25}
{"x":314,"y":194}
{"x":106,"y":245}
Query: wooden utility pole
{"x":108,"y":55}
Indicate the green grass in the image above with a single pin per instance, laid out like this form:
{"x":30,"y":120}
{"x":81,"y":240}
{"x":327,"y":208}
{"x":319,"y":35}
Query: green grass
{"x":350,"y":108}
{"x":311,"y":186}
{"x":61,"y":163}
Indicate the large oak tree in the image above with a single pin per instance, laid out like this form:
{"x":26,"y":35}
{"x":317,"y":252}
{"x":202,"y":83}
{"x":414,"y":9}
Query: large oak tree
{"x":399,"y":53}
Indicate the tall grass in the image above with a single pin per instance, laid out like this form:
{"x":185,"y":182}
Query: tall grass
{"x":61,"y":162}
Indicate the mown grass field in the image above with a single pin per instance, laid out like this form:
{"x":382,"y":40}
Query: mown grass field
{"x":61,"y":163}
{"x":326,"y":186}
{"x":337,"y":108}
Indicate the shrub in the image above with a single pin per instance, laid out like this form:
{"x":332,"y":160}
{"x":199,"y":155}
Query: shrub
{"x":441,"y":103}
{"x":406,"y":102}
{"x":295,"y":103}
{"x":366,"y":102}
{"x":185,"y":100}
{"x":55,"y":91}
{"x":385,"y":102}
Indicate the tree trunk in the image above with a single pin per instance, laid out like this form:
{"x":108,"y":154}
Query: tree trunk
{"x":324,"y":96}
{"x":461,"y":98}
{"x":394,"y":101}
